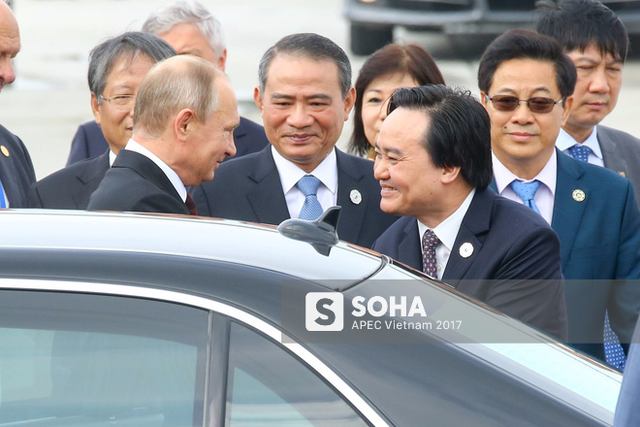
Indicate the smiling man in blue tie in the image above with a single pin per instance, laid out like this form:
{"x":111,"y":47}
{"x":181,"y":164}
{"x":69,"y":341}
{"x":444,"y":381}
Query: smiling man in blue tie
{"x":526,"y":81}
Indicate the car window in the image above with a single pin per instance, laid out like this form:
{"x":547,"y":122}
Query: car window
{"x":93,"y":360}
{"x":268,"y":386}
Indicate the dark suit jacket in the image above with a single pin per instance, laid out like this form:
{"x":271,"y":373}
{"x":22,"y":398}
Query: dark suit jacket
{"x":621,"y":154}
{"x":89,"y":141}
{"x":71,"y":187}
{"x":249,"y":189}
{"x":134,"y":183}
{"x":599,"y":242}
{"x":627,"y":414}
{"x":514,"y":266}
{"x":16,"y":170}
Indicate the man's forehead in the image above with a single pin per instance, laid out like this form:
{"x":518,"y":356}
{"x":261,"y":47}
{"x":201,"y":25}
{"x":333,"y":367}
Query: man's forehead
{"x":291,"y":65}
{"x":595,"y":52}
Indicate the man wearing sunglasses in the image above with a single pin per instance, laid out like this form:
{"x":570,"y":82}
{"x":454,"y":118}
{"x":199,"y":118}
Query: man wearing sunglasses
{"x":526,"y":81}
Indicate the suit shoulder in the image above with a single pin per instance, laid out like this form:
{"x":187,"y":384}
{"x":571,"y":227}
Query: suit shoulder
{"x":516,"y":215}
{"x":70,"y":172}
{"x":603,"y":179}
{"x":619,"y":135}
{"x":395,"y":230}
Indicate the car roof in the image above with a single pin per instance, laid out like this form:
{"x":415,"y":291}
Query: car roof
{"x":206,"y":238}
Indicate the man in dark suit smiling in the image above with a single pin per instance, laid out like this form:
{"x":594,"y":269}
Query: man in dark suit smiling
{"x":433,"y":161}
{"x":116,"y":68}
{"x":183,"y":125}
{"x":305,"y":96}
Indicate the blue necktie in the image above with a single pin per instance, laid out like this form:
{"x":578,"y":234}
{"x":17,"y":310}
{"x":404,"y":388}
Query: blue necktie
{"x":527,"y":191}
{"x":613,"y":352}
{"x":580,"y":152}
{"x":2,"y":202}
{"x":311,"y":209}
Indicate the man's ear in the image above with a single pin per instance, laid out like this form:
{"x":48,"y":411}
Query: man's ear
{"x":183,"y":123}
{"x":566,"y":109}
{"x":257,"y":97}
{"x":450,"y":174}
{"x":222,"y":60}
{"x":95,"y":108}
{"x":349,"y":101}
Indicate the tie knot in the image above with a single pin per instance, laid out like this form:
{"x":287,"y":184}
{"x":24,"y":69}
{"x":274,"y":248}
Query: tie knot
{"x":580,"y":152}
{"x":525,"y":190}
{"x":308,"y":184}
{"x":430,"y":240}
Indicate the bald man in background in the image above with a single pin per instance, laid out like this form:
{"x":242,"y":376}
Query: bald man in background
{"x":16,"y":169}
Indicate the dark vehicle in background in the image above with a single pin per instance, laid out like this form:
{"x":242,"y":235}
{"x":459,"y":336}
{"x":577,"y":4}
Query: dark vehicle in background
{"x":143,"y":320}
{"x":372,"y":21}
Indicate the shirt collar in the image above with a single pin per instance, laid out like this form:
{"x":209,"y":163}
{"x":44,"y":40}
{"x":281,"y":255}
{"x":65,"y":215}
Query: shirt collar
{"x":112,"y":158}
{"x":566,"y":141}
{"x":170,"y":173}
{"x":447,"y":230}
{"x":290,"y":174}
{"x":547,"y":176}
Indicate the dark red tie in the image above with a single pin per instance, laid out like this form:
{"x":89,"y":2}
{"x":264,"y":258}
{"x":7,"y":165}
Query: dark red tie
{"x":191,"y":205}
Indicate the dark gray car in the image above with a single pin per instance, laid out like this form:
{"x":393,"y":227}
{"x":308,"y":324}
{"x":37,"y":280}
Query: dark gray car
{"x":142,"y":320}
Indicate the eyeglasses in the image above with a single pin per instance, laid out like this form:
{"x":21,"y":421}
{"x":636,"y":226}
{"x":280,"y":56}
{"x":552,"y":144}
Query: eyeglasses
{"x":121,"y":102}
{"x":537,"y":104}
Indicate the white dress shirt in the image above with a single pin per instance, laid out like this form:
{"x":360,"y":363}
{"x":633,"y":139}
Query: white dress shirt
{"x":290,"y":174}
{"x":545,"y":195}
{"x":566,"y":141}
{"x":112,"y":157}
{"x":170,"y":173}
{"x":447,"y":232}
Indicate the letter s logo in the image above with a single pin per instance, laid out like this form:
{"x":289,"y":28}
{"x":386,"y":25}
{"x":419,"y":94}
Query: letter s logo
{"x":324,"y":311}
{"x":322,"y":308}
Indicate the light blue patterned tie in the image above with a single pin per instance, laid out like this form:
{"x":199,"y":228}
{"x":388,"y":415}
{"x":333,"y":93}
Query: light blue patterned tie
{"x":311,"y":209}
{"x":527,"y":191}
{"x":580,"y":152}
{"x":613,"y":352}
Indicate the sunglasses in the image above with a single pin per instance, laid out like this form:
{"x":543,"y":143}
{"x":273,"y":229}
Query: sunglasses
{"x":537,"y":104}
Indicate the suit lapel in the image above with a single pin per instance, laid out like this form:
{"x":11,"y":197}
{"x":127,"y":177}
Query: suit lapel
{"x":267,"y":199}
{"x":89,"y":178}
{"x":475,"y":223}
{"x":352,"y":196}
{"x":610,"y":154}
{"x":409,"y":249}
{"x":147,"y":169}
{"x":567,"y":212}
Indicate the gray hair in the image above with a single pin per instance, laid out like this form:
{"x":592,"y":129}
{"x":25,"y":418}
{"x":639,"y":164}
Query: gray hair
{"x":134,"y":43}
{"x":187,"y":11}
{"x":182,"y":82}
{"x":312,"y":46}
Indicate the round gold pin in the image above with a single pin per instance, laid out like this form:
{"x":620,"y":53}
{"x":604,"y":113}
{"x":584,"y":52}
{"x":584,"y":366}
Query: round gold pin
{"x":578,"y":195}
{"x":5,"y":150}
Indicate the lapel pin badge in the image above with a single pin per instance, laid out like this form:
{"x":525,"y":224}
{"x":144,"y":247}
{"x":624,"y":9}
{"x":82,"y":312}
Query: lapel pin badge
{"x":5,"y":150}
{"x":578,"y":195}
{"x":355,"y":196}
{"x":466,"y":250}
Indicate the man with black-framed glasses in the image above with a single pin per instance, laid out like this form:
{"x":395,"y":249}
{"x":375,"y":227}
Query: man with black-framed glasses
{"x":527,"y":83}
{"x":116,"y":69}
